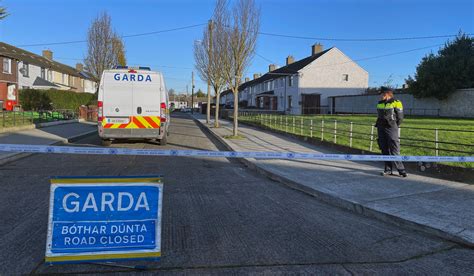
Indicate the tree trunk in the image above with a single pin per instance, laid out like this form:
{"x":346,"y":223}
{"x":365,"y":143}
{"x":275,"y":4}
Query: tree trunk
{"x":208,"y":111}
{"x":216,"y":120}
{"x":236,"y":113}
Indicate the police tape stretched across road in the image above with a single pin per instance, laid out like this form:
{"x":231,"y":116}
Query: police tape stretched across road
{"x":226,"y":154}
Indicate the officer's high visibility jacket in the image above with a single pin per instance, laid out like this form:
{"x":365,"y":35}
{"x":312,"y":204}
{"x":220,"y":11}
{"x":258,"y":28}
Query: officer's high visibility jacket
{"x":390,"y":113}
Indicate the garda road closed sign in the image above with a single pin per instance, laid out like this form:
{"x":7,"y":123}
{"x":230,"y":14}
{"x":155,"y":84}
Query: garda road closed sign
{"x":104,"y":219}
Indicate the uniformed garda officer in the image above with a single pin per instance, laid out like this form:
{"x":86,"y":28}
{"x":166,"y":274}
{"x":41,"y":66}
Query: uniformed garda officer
{"x":390,"y":116}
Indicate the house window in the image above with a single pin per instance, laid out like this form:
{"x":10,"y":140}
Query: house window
{"x":290,"y":81}
{"x":64,"y":79}
{"x":7,"y":66}
{"x":26,"y":70}
{"x":345,"y":77}
{"x":43,"y":73}
{"x":290,"y":103}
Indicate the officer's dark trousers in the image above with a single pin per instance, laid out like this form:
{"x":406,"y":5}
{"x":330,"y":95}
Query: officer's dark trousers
{"x":389,"y":144}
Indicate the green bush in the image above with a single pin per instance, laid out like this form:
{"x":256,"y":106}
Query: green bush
{"x":33,"y":99}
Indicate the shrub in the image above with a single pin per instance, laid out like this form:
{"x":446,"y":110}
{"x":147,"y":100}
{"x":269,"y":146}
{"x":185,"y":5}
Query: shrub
{"x":441,"y":74}
{"x":33,"y":99}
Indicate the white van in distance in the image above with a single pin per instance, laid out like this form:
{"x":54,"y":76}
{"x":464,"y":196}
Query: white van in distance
{"x":132,"y":104}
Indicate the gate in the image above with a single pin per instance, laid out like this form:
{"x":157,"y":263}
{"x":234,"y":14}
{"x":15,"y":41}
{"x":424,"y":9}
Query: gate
{"x":311,"y":104}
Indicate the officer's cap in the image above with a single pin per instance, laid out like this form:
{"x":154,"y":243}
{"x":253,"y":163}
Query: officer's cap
{"x":384,"y":89}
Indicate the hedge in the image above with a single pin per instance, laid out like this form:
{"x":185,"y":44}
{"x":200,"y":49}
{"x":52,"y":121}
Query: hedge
{"x":34,"y":99}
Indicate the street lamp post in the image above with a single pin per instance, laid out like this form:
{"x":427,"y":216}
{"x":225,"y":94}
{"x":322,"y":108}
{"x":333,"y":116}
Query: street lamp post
{"x":192,"y":92}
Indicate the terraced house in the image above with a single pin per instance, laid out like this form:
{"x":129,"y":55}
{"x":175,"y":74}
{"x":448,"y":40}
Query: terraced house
{"x":29,"y":70}
{"x":303,"y":86}
{"x":8,"y":82}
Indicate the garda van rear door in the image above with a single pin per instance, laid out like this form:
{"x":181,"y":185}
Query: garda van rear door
{"x":117,"y":98}
{"x":146,"y":98}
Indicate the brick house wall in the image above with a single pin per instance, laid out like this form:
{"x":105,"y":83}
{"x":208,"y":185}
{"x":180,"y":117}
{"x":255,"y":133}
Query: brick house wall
{"x":8,"y":79}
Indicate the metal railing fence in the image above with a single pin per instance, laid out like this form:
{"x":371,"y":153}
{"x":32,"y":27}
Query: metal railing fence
{"x":19,"y":118}
{"x":363,"y":136}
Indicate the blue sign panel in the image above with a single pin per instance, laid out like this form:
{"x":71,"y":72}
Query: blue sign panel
{"x":97,"y":219}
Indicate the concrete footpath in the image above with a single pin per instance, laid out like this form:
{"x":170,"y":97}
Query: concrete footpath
{"x":438,"y":207}
{"x":49,"y":135}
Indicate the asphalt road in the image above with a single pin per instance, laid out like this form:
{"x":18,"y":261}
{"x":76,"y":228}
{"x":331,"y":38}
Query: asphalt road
{"x":218,"y":218}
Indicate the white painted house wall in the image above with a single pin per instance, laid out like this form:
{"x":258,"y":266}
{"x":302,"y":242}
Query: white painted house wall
{"x":89,"y":86}
{"x":286,"y":90}
{"x":227,"y":99}
{"x":324,"y":76}
{"x":34,"y":72}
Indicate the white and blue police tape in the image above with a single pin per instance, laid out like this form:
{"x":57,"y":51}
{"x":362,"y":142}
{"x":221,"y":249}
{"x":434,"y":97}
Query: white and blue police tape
{"x":226,"y":154}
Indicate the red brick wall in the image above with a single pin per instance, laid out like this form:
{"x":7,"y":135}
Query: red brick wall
{"x":3,"y":91}
{"x":6,"y":79}
{"x":13,"y":77}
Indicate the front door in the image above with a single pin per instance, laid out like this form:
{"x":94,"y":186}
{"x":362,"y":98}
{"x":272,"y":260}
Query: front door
{"x":311,"y":104}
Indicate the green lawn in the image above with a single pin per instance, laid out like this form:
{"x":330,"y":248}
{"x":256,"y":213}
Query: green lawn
{"x":10,"y":119}
{"x":453,"y":134}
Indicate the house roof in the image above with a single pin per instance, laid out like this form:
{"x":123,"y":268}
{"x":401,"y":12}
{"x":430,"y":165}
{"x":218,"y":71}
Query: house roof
{"x":292,"y":68}
{"x":267,"y":93}
{"x":31,"y":58}
{"x":42,"y":82}
{"x":88,"y":76}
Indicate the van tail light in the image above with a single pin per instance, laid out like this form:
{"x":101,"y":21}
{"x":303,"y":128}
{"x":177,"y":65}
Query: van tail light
{"x":163,"y":112}
{"x":100,"y":111}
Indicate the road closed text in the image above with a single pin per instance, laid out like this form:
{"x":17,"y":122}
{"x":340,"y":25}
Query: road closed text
{"x":103,"y":235}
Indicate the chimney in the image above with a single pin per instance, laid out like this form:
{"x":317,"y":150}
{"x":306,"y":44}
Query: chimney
{"x":316,"y":49}
{"x":271,"y":67}
{"x":247,"y":79}
{"x":79,"y":67}
{"x":290,"y":60}
{"x":256,"y":76}
{"x":48,"y":54}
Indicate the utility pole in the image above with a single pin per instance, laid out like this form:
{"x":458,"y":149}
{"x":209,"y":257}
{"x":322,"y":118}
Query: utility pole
{"x":192,"y":92}
{"x":208,"y":111}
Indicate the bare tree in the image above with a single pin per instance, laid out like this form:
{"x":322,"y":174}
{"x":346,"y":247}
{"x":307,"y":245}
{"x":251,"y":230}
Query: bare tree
{"x":239,"y":45}
{"x":102,"y":46}
{"x":208,"y":55}
{"x":119,"y":51}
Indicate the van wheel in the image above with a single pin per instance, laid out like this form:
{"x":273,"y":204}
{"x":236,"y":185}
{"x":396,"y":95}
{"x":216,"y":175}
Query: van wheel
{"x":106,"y":143}
{"x":163,"y":140}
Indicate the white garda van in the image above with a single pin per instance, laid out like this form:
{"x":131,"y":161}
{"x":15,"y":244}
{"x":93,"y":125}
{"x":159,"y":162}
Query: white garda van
{"x":132,"y":104}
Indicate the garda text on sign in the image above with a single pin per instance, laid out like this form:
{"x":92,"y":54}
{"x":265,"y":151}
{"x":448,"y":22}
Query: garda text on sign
{"x":104,"y":219}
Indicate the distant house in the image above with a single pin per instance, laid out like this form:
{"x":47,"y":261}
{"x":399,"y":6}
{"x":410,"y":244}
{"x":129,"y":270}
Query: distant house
{"x":42,"y":72}
{"x":303,"y":86}
{"x":178,"y":104}
{"x":88,"y":82}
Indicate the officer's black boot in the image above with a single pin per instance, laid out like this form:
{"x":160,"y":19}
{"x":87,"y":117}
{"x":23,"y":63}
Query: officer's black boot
{"x":388,"y":169}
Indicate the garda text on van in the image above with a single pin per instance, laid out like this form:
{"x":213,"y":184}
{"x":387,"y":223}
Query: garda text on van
{"x":132,"y":77}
